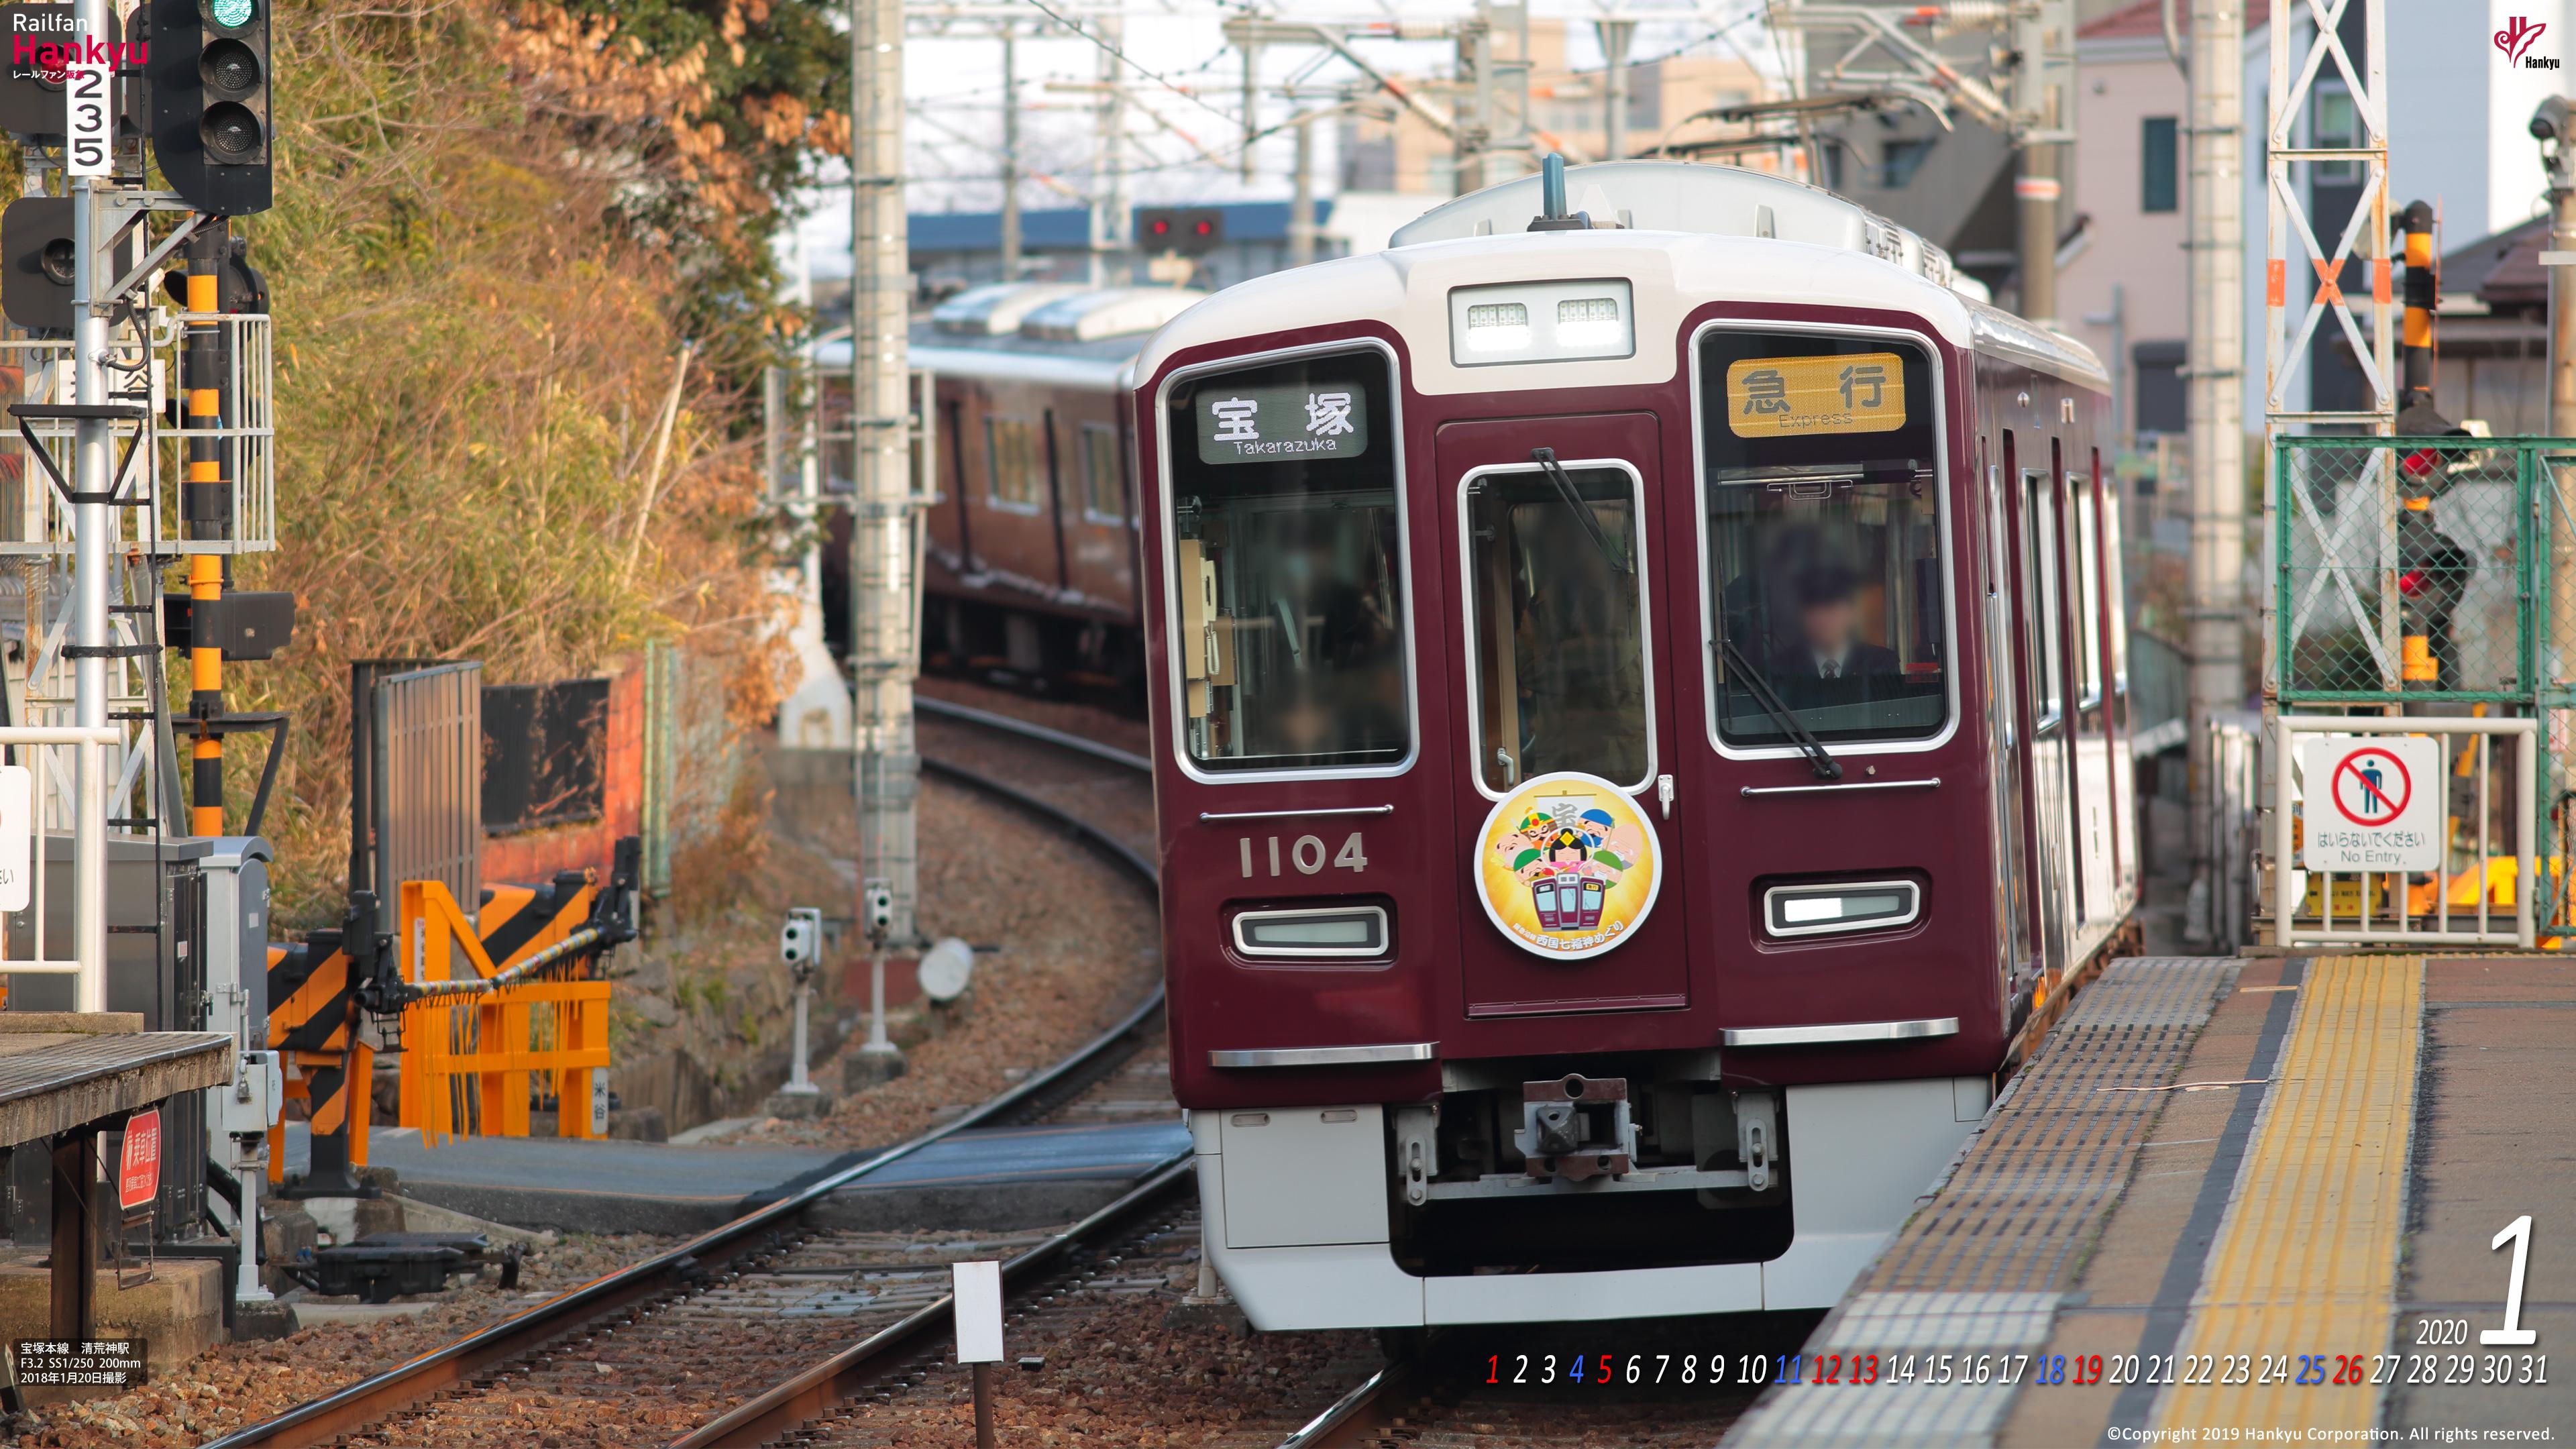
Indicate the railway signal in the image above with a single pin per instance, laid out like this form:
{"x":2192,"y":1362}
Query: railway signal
{"x":210,"y":77}
{"x":1190,"y":231}
{"x":36,"y":276}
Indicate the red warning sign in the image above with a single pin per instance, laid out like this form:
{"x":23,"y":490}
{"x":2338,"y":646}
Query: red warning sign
{"x":138,"y":1168}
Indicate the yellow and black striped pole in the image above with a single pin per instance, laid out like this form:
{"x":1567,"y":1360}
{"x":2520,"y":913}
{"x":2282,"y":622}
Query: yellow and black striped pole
{"x":206,"y":509}
{"x":2418,"y":667}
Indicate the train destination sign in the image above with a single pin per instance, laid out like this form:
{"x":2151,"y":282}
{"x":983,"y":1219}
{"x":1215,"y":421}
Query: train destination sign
{"x":1795,"y":397}
{"x":1568,"y":866}
{"x":1277,"y":424}
{"x":2371,"y":803}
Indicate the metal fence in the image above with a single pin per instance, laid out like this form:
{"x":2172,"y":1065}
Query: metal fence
{"x":2443,"y":907}
{"x":693,"y":757}
{"x":2436,"y":577}
{"x":427,"y":780}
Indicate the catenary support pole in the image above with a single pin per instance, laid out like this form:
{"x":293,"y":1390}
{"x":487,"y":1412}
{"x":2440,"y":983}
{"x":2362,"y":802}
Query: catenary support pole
{"x":1010,"y":155}
{"x":1301,"y":195}
{"x":93,"y":547}
{"x":1615,"y":36}
{"x":881,"y":543}
{"x":2215,"y":402}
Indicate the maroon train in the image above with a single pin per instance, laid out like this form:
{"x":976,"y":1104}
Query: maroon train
{"x":1639,"y":715}
{"x":1029,"y":560}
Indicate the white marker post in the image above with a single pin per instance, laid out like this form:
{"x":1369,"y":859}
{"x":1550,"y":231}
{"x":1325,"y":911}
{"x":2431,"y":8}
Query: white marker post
{"x":978,"y":1297}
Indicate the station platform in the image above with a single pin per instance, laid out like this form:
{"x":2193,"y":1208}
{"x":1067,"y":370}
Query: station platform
{"x":1004,"y":1177}
{"x":2237,"y":1201}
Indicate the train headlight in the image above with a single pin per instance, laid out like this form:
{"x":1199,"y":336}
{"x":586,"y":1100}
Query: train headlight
{"x":1542,"y":322}
{"x":1331,"y":931}
{"x":1816,"y":910}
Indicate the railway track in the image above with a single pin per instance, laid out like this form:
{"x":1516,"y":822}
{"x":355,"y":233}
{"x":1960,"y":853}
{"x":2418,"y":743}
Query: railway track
{"x":663,"y":1348}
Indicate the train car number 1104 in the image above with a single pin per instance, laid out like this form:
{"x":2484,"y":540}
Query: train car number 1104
{"x":1305,"y":854}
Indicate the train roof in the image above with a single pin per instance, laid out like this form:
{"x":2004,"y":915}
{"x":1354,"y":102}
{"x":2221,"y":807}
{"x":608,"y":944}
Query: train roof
{"x":1049,"y":333}
{"x":1699,"y":234}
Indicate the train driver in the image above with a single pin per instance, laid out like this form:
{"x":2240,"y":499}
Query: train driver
{"x":1828,"y":644}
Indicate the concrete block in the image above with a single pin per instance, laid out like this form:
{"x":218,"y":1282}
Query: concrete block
{"x":179,"y":1313}
{"x":799,"y":1106}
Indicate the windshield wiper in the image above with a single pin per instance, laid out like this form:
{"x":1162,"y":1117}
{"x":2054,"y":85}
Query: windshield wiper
{"x":1826,"y":766}
{"x":1546,"y":460}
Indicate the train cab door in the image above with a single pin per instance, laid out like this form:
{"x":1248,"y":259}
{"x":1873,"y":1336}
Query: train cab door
{"x":1562,"y":644}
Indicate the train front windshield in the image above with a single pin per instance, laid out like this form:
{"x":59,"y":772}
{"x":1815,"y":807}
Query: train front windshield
{"x":1287,"y":566}
{"x":1821,"y":486}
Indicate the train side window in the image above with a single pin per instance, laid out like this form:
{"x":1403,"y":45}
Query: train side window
{"x":1555,"y":599}
{"x":2039,"y":569}
{"x":1103,"y":499}
{"x":1011,"y":463}
{"x":2088,"y":596}
{"x":1287,"y":566}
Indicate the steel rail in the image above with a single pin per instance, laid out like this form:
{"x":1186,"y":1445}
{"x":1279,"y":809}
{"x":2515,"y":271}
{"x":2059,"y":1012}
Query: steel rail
{"x":377,"y":1397}
{"x":1058,"y":738}
{"x":1357,"y":1410}
{"x":798,"y":1401}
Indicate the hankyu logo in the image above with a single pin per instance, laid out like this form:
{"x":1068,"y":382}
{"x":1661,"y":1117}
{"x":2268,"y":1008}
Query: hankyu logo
{"x":50,"y":59}
{"x":2516,"y":39}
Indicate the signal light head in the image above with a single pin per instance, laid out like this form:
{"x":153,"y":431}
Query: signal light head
{"x":232,"y":135}
{"x":230,"y":67}
{"x":58,"y":257}
{"x":229,"y":14}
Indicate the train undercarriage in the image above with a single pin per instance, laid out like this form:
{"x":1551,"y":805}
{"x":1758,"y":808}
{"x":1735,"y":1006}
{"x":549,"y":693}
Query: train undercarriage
{"x":1569,"y":1188}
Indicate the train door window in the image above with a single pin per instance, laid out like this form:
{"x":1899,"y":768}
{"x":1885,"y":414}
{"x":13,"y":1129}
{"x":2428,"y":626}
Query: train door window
{"x":1821,"y":489}
{"x":1103,"y":499}
{"x":1012,"y":463}
{"x":2039,"y":570}
{"x":1287,"y":566}
{"x":2087,"y":576}
{"x":1556,"y":608}
{"x":2114,"y":587}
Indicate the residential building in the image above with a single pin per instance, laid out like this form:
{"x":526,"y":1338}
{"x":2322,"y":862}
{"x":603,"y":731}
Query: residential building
{"x":1405,"y":154}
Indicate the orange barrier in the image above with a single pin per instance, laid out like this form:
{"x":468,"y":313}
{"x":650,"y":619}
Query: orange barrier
{"x":469,"y":1061}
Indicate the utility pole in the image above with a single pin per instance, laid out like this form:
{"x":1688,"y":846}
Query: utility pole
{"x":1010,"y":154}
{"x":1615,"y":36}
{"x":2215,"y":403}
{"x":1109,"y":220}
{"x":2550,"y":125}
{"x":882,"y":522}
{"x":2044,"y":98}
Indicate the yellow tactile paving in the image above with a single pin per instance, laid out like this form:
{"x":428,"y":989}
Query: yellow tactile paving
{"x":2306,"y":1261}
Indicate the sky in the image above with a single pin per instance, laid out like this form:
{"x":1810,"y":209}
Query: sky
{"x":1187,"y":109}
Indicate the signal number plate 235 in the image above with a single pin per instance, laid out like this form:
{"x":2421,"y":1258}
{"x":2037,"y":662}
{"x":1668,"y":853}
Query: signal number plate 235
{"x":1303,"y":854}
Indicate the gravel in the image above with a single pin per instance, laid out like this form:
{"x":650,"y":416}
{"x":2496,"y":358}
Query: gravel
{"x":1077,"y":951}
{"x":243,"y":1383}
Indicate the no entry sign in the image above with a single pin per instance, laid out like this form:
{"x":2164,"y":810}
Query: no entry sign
{"x":2371,"y":803}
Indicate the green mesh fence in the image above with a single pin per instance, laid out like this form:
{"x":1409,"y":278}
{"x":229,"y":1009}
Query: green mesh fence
{"x":2437,"y":574}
